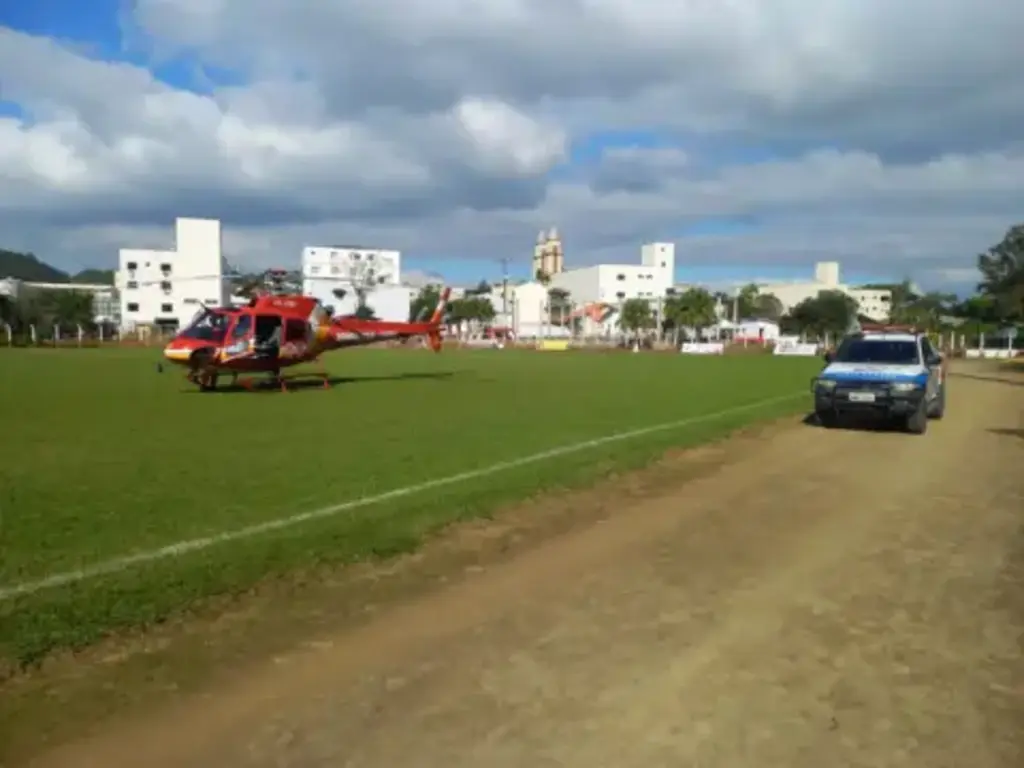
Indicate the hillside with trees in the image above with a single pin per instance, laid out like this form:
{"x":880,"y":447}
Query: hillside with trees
{"x":29,"y":267}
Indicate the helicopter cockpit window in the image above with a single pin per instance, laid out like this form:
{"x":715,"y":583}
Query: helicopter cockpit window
{"x":208,"y":326}
{"x":242,"y":328}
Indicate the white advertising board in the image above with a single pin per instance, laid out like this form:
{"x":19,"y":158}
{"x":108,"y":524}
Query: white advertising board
{"x":703,"y":348}
{"x":795,"y":348}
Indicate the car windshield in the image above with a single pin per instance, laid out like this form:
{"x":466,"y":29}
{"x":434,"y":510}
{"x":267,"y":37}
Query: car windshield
{"x":208,"y":326}
{"x":877,"y":351}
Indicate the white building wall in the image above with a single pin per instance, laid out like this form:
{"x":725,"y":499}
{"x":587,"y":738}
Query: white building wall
{"x":583,"y":285}
{"x":344,"y":262}
{"x":168,"y":286}
{"x":388,"y":302}
{"x":791,"y":294}
{"x":875,"y":303}
{"x":529,"y":309}
{"x":660,"y":256}
{"x":827,"y":273}
{"x":613,"y":283}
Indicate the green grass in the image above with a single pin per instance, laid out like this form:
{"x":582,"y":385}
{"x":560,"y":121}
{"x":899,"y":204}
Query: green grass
{"x":104,"y":457}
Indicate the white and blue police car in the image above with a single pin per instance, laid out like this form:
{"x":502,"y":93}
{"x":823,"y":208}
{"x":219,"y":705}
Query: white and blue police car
{"x":887,"y":373}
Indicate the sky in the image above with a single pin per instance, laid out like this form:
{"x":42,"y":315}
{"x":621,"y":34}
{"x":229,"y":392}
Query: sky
{"x":758,"y":135}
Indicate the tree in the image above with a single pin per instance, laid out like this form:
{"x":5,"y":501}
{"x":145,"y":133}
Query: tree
{"x":636,"y":315}
{"x":693,"y":308}
{"x":471,"y":309}
{"x":746,"y":301}
{"x":482,"y":289}
{"x":925,"y":311}
{"x":830,"y":312}
{"x":96,"y":276}
{"x":767,"y":306}
{"x":542,"y":277}
{"x":559,"y":305}
{"x":1002,"y":274}
{"x":979,"y":309}
{"x":424,"y":303}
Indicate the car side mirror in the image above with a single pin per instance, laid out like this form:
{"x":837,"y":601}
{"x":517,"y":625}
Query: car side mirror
{"x":936,"y":359}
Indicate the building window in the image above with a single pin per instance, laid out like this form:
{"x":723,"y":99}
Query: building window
{"x":132,"y":266}
{"x":620,"y":277}
{"x":133,"y":284}
{"x":165,"y":286}
{"x":369,"y":257}
{"x":314,"y":270}
{"x":335,"y":270}
{"x":166,"y":307}
{"x":165,"y":268}
{"x":133,"y":307}
{"x":663,"y":263}
{"x":621,"y":294}
{"x":191,"y":301}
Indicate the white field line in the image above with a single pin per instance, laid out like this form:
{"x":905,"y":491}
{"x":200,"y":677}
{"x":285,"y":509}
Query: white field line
{"x":120,"y":564}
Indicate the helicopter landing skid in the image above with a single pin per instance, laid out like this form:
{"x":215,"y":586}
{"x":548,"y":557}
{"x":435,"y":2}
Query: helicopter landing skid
{"x":278,"y":380}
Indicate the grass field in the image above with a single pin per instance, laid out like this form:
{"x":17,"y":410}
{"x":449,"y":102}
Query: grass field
{"x":103,"y":457}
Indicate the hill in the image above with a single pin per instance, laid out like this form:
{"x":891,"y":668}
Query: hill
{"x":26,"y":266}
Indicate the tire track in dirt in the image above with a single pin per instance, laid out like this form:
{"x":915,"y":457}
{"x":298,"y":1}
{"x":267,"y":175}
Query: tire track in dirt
{"x":836,"y":598}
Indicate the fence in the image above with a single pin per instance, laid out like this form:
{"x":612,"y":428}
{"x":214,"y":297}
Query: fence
{"x":957,"y":344}
{"x":80,"y":336}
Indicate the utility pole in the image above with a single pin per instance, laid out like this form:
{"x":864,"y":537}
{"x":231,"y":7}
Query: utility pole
{"x":504,"y":286}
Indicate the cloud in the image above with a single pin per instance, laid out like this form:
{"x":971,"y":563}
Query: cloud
{"x":886,"y":135}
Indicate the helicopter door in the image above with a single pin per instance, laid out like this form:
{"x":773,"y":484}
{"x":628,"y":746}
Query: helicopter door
{"x":239,"y":337}
{"x":268,"y":335}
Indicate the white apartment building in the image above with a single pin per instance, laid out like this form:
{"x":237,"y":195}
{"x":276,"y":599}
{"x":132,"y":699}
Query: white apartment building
{"x":614,"y":283}
{"x":335,"y":274}
{"x":166,"y":287}
{"x":875,"y":304}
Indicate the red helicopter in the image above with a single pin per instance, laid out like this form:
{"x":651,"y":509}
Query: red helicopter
{"x":275,"y":331}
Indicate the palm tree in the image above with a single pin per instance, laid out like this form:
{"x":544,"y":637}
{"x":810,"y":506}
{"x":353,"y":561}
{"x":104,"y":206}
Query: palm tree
{"x":559,"y":305}
{"x":693,"y":308}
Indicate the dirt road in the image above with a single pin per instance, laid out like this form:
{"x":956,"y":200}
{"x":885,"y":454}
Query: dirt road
{"x":831,"y":598}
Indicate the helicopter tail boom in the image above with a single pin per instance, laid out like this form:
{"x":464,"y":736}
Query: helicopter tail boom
{"x":442,"y":302}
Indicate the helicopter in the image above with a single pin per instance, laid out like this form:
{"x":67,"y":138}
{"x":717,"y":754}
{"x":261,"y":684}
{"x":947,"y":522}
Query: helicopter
{"x":278,"y":329}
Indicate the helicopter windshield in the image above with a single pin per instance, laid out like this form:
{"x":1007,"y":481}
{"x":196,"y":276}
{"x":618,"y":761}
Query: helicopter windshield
{"x":208,"y":326}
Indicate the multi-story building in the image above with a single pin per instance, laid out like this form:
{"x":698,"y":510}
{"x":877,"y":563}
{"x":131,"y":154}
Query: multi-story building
{"x":651,"y":279}
{"x":873,"y":303}
{"x":336,"y":275}
{"x":167,"y":287}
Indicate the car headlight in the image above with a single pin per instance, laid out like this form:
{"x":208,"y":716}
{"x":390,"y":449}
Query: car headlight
{"x":825,"y":384}
{"x":904,"y":386}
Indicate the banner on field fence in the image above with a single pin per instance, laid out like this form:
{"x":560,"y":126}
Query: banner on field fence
{"x":703,"y":348}
{"x":795,"y":348}
{"x":553,"y":345}
{"x":989,"y":354}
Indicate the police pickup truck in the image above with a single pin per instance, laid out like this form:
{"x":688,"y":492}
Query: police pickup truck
{"x":893,"y":374}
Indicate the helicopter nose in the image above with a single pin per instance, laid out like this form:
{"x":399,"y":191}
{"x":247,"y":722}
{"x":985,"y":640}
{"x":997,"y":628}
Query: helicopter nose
{"x":175,"y":353}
